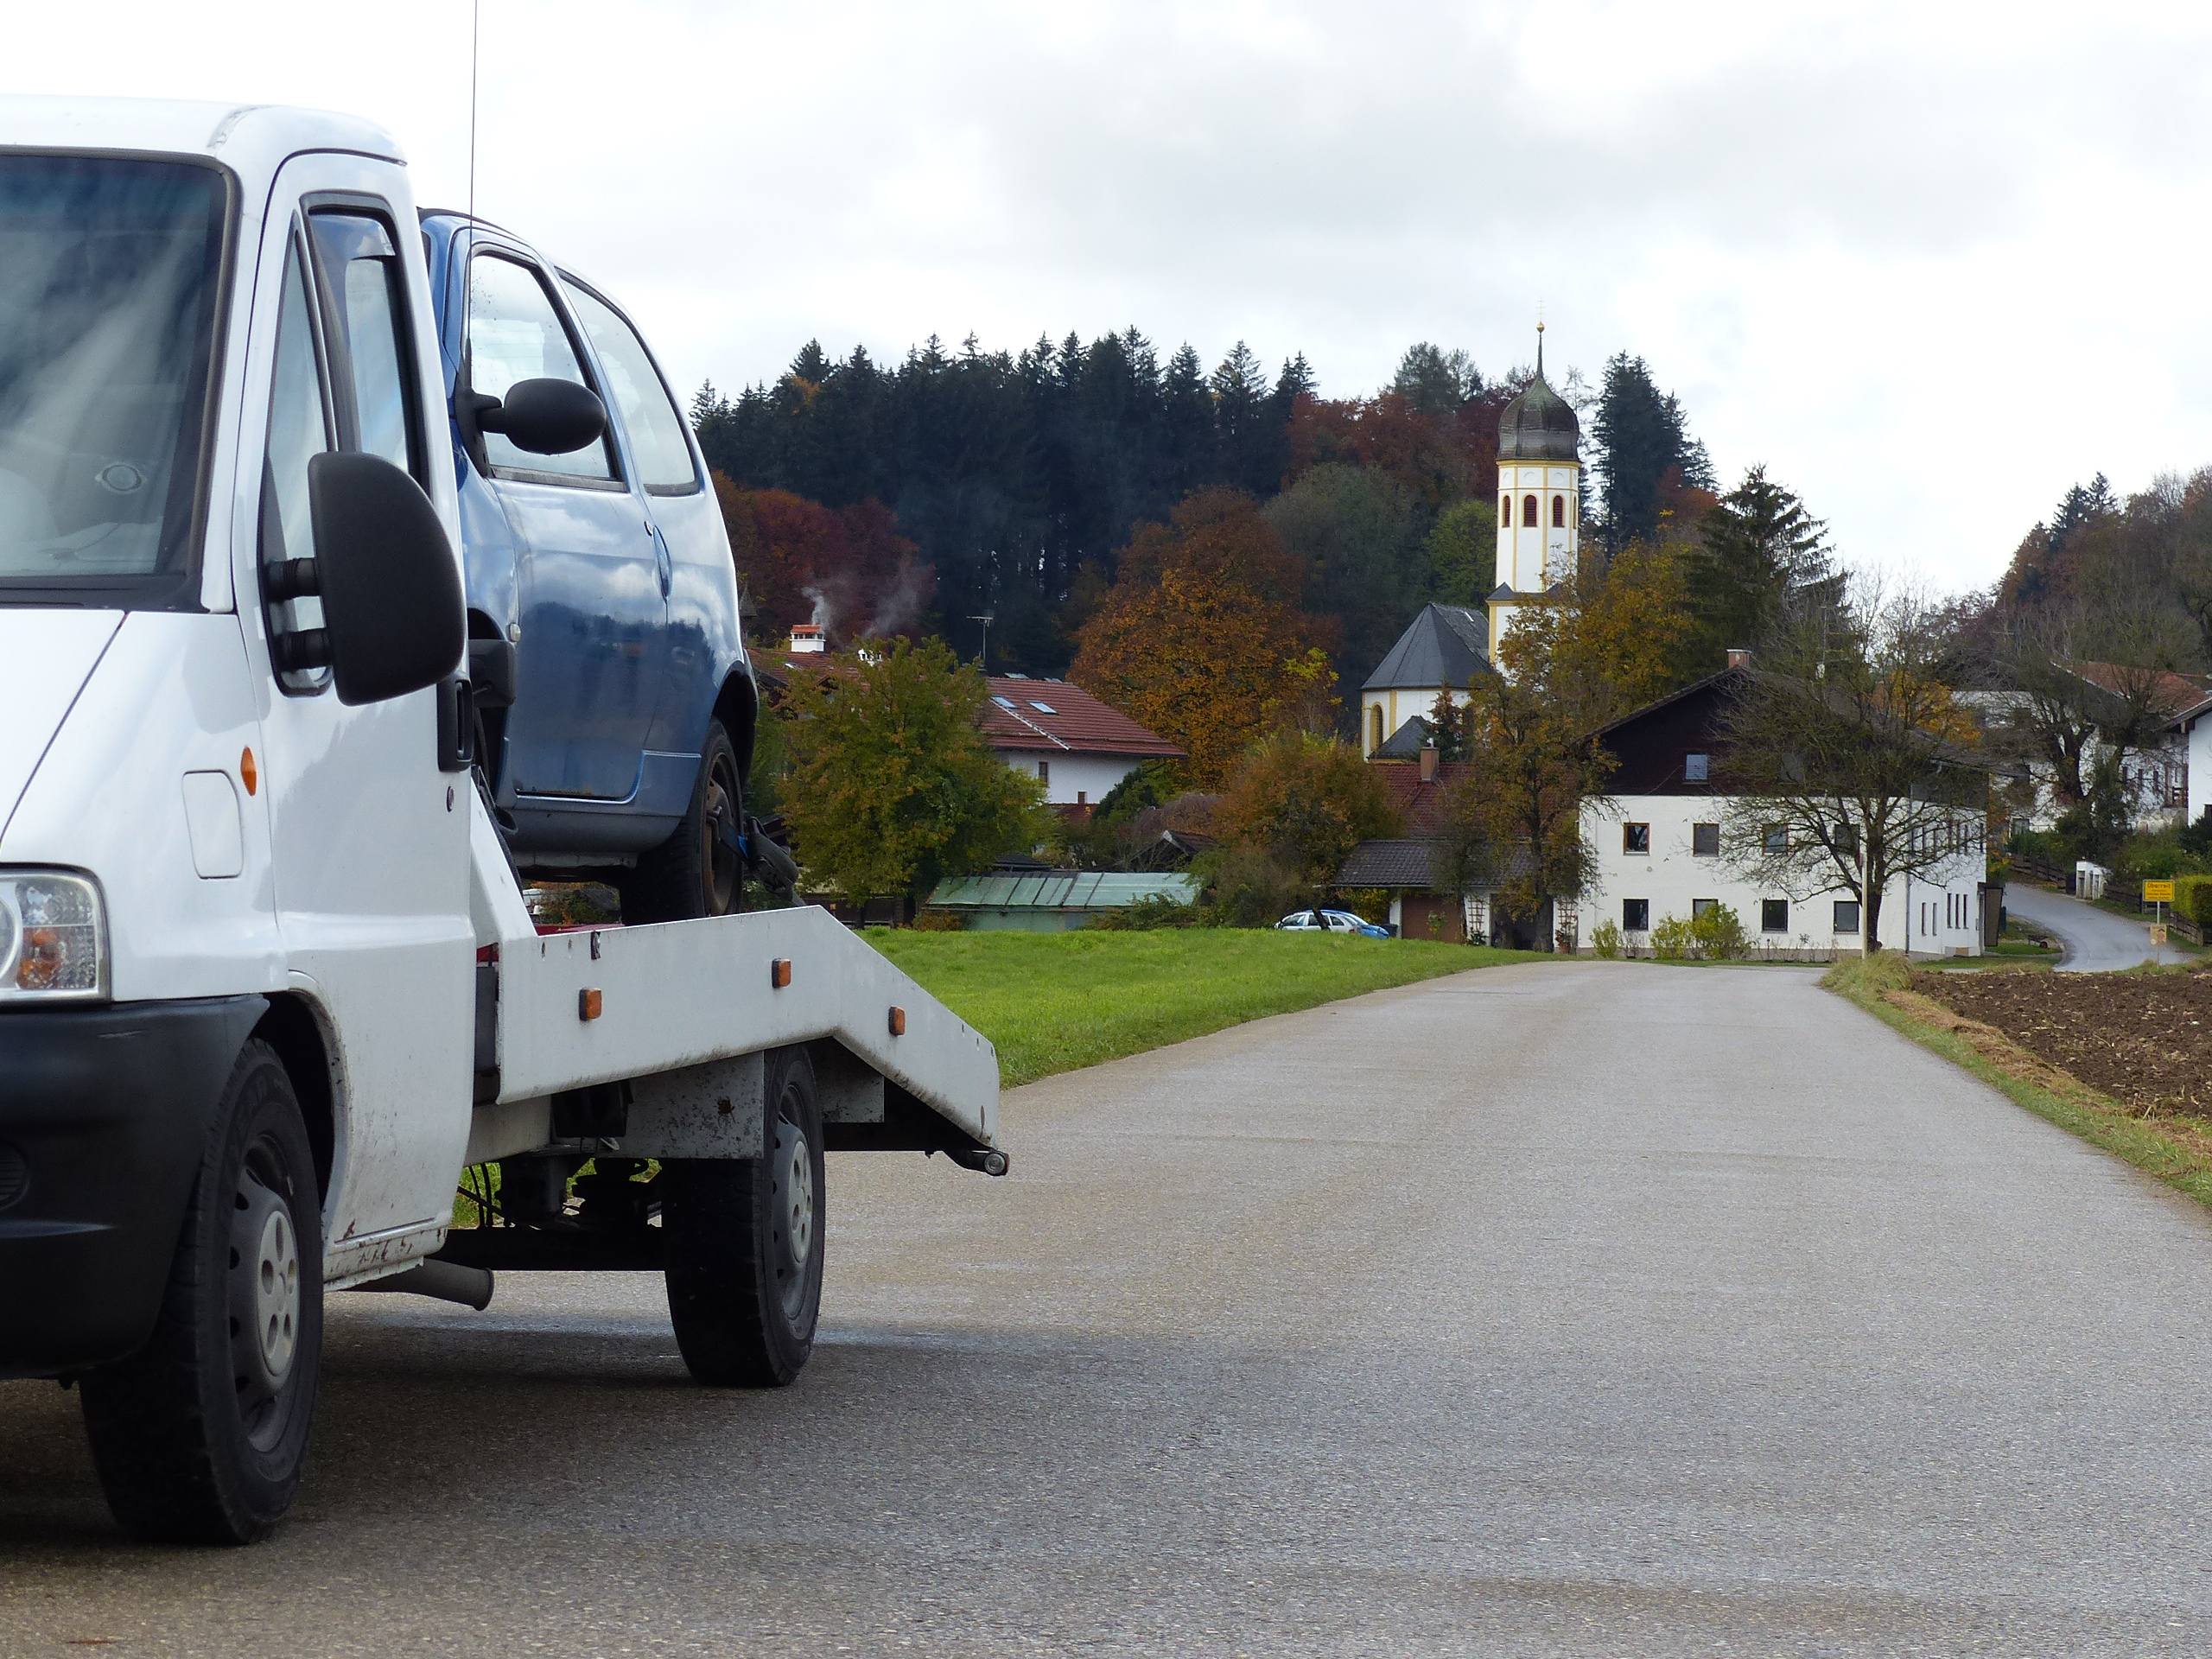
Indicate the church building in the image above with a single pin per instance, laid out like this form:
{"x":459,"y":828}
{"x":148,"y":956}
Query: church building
{"x":1539,"y":500}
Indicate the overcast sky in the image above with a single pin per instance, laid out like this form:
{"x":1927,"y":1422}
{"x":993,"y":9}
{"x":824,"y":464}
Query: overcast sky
{"x":1930,"y":264}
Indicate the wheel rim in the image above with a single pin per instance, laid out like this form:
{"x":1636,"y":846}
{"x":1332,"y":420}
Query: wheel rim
{"x":793,"y":1202}
{"x":718,"y":861}
{"x":264,"y":1298}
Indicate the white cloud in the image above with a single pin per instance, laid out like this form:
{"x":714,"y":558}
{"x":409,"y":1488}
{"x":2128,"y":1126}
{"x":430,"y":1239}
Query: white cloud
{"x":1931,"y":264}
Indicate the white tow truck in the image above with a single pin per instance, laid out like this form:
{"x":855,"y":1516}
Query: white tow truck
{"x":269,"y":990}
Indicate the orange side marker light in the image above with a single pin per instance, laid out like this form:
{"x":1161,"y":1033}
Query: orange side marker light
{"x":898,"y":1022}
{"x":587,"y":1004}
{"x":779,"y":973}
{"x":249,"y":774}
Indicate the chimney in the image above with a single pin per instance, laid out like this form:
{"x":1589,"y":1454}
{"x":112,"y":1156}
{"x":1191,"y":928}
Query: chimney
{"x":1738,"y":656}
{"x":1428,"y":758}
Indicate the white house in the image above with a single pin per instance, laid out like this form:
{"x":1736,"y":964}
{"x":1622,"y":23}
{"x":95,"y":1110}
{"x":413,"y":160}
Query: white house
{"x":1657,"y":837}
{"x":1075,"y":746}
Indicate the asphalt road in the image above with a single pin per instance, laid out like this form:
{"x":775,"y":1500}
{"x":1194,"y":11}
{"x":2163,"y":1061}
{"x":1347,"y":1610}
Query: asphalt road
{"x":1578,"y":1309}
{"x":2097,"y":941}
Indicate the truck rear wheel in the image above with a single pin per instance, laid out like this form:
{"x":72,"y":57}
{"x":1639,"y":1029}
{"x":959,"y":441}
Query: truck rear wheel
{"x":201,"y":1437}
{"x":745,"y":1243}
{"x":697,"y":871}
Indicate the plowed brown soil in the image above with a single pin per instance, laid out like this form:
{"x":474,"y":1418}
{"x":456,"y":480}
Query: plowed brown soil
{"x":2144,"y":1039}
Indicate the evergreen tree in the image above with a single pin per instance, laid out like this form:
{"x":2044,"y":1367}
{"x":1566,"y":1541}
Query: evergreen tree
{"x":1765,"y":559}
{"x":1435,"y":381}
{"x":1641,"y":436}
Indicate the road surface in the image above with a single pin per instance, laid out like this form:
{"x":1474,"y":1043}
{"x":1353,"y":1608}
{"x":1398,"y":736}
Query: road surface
{"x":2097,"y":941}
{"x":1565,"y":1309}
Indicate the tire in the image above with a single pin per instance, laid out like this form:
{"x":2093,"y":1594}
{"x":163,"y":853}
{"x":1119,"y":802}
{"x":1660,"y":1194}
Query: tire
{"x":746,"y":1244}
{"x":693,"y":873}
{"x":201,"y":1436}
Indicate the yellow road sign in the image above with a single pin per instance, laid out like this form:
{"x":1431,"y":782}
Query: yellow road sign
{"x":2158,"y":892}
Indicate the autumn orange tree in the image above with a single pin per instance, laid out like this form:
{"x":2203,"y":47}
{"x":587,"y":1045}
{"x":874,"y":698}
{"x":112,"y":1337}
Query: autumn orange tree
{"x":1307,"y":800}
{"x":1200,"y":637}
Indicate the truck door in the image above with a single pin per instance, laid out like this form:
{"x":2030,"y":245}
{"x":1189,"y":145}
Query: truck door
{"x":369,"y":837}
{"x":592,"y":585}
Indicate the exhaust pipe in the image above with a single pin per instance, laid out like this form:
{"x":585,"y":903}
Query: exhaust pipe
{"x":989,"y":1159}
{"x":447,"y":1281}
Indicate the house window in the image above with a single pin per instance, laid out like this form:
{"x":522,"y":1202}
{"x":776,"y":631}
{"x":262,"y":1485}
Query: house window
{"x":1697,"y":768}
{"x":1044,"y":772}
{"x":1559,"y":512}
{"x":1847,"y":915}
{"x":1528,"y":511}
{"x":1774,"y":915}
{"x":1777,"y":838}
{"x":1699,"y":906}
{"x":1704,"y":840}
{"x":1636,"y":915}
{"x":1635,"y":838}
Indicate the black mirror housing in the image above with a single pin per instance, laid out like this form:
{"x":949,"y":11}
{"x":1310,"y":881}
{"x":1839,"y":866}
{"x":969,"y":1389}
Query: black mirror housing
{"x":546,"y":417}
{"x":393,"y":617}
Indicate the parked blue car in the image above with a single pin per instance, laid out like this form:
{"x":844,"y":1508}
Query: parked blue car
{"x":613,"y":707}
{"x":1330,"y":921}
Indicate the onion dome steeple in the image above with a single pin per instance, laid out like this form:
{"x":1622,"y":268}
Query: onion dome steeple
{"x":1539,"y":424}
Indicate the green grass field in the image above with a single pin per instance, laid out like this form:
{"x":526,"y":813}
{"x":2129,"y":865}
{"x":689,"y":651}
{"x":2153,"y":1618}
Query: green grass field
{"x":1055,"y":1002}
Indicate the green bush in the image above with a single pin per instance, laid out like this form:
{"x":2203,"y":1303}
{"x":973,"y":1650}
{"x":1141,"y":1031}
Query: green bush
{"x":2193,"y":898}
{"x":2159,"y":855}
{"x":1143,"y":915}
{"x":1720,"y":934}
{"x":1716,"y":935}
{"x":1605,"y":940}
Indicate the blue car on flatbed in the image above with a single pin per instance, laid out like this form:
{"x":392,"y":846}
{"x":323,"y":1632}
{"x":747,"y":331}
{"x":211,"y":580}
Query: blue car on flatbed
{"x":613,"y":707}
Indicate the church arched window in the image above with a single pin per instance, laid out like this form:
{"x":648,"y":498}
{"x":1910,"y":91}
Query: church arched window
{"x":1375,"y":728}
{"x":1528,"y":511}
{"x":1559,"y":512}
{"x":1506,"y":512}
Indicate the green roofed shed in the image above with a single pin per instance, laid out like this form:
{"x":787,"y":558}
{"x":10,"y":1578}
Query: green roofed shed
{"x":1053,"y":901}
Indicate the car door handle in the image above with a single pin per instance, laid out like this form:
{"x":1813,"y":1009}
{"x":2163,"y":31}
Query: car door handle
{"x":661,"y":559}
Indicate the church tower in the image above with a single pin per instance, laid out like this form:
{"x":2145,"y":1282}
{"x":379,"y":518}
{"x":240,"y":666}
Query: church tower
{"x":1539,"y":500}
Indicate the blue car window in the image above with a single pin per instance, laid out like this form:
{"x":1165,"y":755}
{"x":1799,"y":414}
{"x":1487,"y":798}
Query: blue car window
{"x":658,"y":448}
{"x":515,"y":334}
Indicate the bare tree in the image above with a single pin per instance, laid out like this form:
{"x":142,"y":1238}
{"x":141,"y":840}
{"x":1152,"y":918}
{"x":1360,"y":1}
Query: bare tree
{"x":1848,"y":762}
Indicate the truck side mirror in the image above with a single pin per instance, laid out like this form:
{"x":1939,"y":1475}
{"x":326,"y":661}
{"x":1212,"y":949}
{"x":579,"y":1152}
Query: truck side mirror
{"x":393,"y":619}
{"x":546,"y":417}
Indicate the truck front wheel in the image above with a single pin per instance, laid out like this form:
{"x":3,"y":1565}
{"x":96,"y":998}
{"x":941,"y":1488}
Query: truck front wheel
{"x":745,"y":1243}
{"x":201,"y":1437}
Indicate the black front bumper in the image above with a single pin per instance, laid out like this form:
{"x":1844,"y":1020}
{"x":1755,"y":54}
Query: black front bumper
{"x":105,"y":1113}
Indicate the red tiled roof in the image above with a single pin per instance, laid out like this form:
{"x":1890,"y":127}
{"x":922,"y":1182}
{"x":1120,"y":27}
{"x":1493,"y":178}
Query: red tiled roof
{"x":2169,"y":693}
{"x":1421,"y":805}
{"x":1053,"y":716}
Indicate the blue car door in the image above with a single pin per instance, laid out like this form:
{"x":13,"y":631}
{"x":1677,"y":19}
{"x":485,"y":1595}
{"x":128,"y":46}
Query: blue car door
{"x":592,"y":577}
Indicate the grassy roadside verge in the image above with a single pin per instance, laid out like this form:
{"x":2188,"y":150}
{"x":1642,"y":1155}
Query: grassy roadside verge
{"x":1055,"y":1002}
{"x":1883,"y":986}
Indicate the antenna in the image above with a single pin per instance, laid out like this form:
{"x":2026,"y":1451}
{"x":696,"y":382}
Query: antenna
{"x":475,"y":18}
{"x":987,"y":619}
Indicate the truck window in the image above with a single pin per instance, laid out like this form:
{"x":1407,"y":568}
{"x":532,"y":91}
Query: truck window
{"x":300,"y":429}
{"x":109,"y":273}
{"x":659,"y":446}
{"x":371,"y":361}
{"x":516,"y":333}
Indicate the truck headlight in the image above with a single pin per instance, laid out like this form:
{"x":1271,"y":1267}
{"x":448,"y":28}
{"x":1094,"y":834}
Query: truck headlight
{"x":52,"y":938}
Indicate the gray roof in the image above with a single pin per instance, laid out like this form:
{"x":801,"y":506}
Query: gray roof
{"x":1446,"y":644}
{"x":1405,"y":743}
{"x":1424,"y":865}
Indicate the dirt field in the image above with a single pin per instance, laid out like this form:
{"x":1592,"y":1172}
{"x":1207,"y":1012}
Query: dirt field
{"x":2146,"y":1039}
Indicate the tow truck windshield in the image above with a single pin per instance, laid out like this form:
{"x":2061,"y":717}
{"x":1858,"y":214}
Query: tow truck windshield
{"x":109,"y":274}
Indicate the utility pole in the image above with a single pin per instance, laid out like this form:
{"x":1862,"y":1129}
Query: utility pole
{"x":984,"y":661}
